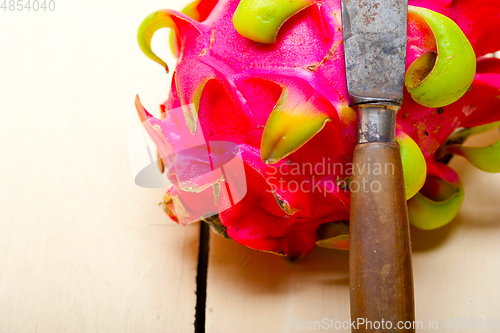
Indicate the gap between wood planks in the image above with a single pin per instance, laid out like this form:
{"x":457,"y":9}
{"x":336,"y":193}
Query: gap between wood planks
{"x":201,"y":279}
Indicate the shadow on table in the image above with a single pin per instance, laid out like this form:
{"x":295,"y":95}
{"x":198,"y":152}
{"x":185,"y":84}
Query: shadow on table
{"x":264,"y":272}
{"x":423,"y":240}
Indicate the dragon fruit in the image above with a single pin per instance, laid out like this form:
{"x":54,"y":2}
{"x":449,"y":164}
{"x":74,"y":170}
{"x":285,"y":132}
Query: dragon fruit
{"x":269,"y":77}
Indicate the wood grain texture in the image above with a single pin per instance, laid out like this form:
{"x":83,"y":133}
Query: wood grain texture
{"x":78,"y":252}
{"x":381,"y":276}
{"x":250,"y":291}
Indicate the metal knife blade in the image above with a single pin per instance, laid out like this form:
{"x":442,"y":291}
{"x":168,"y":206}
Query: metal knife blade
{"x":375,"y":49}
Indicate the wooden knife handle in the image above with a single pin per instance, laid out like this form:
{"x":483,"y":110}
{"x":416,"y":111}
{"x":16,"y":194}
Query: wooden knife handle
{"x":380,"y":265}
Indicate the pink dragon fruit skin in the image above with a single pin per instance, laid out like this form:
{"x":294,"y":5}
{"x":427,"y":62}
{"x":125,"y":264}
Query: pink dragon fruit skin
{"x":286,"y":103}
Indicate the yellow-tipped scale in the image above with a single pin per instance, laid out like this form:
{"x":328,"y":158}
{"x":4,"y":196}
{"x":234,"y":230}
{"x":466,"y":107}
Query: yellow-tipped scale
{"x":414,"y":166}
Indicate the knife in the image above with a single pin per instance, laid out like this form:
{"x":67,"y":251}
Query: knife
{"x":380,"y":266}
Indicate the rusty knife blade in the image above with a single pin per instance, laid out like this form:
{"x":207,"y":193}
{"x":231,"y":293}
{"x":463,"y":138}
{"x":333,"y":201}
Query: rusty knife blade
{"x":375,"y":49}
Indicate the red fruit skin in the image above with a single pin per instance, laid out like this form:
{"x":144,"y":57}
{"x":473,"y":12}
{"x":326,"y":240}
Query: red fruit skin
{"x":243,"y":81}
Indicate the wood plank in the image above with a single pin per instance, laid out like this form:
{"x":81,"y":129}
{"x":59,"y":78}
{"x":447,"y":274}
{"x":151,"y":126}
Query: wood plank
{"x":79,"y":251}
{"x":251,"y":291}
{"x":456,"y":273}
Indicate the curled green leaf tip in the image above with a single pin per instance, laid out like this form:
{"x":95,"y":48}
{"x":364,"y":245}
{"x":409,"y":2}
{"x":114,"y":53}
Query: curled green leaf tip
{"x":414,"y":165}
{"x":436,"y":80}
{"x":152,"y":23}
{"x":484,"y":158}
{"x":260,"y":20}
{"x":434,"y":208}
{"x":334,"y":235}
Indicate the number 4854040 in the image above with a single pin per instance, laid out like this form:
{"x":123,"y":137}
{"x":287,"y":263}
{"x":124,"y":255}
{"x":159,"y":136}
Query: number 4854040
{"x":35,"y":5}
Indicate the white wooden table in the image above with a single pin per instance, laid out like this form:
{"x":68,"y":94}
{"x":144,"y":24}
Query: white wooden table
{"x":80,"y":248}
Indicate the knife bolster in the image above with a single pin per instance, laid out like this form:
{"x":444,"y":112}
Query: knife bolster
{"x":376,"y":122}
